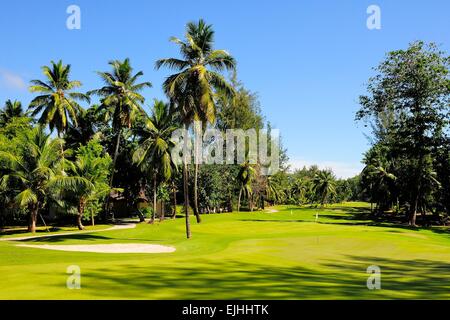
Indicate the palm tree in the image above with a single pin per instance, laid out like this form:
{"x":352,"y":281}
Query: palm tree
{"x":299,"y":189}
{"x":121,"y":98}
{"x":154,"y":151}
{"x":197,"y":81}
{"x":272,"y":190}
{"x":87,"y":128}
{"x":324,"y":184}
{"x":86,"y":179}
{"x":245,"y":178}
{"x":31,"y":169}
{"x":12,"y":109}
{"x":378,"y":177}
{"x":57,"y":103}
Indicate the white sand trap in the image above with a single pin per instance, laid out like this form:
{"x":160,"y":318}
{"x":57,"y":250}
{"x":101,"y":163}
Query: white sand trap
{"x":106,"y":248}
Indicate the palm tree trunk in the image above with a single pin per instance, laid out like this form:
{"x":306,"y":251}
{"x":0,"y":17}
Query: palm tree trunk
{"x":197,"y":215}
{"x":81,"y":207}
{"x":174,"y":203}
{"x":33,"y":218}
{"x":186,"y":200}
{"x":230,"y":203}
{"x":412,"y":220}
{"x":152,"y":220}
{"x":239,"y":200}
{"x":161,"y":217}
{"x":186,"y":191}
{"x":116,"y":153}
{"x":92,"y":217}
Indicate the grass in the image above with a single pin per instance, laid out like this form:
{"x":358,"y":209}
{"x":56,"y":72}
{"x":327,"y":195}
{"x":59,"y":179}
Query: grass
{"x":282,"y":255}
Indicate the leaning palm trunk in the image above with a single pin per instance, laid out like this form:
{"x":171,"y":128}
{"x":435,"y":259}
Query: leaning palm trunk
{"x":412,"y":220}
{"x":81,"y":207}
{"x":174,"y":204}
{"x":239,"y":200}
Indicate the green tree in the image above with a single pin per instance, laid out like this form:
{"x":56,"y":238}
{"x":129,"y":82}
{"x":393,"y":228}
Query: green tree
{"x":85,"y":179}
{"x":154,"y":152}
{"x":245,"y":178}
{"x":57,"y":103}
{"x":414,"y":86}
{"x":324,"y":185}
{"x":197,"y":81}
{"x":121,"y":99}
{"x":30,"y":169}
{"x":12,"y":109}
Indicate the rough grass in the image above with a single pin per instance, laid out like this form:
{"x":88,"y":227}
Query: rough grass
{"x":282,"y":255}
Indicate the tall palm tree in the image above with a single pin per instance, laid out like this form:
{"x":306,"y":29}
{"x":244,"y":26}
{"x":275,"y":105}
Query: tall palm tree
{"x":197,"y":81}
{"x":121,"y":97}
{"x":12,"y":109}
{"x":32,"y":168}
{"x":57,"y":103}
{"x":154,"y":151}
{"x":324,"y":185}
{"x":245,"y":179}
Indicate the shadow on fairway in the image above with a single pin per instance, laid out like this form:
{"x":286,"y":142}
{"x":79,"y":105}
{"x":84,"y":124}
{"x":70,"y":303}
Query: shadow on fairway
{"x":355,"y":216}
{"x":61,"y":238}
{"x":420,"y":279}
{"x":86,"y":237}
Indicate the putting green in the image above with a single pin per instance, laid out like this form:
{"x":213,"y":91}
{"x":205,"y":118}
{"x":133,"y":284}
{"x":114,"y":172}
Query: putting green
{"x":260,"y":255}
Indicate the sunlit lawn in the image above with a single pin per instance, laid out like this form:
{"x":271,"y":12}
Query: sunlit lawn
{"x":260,"y":255}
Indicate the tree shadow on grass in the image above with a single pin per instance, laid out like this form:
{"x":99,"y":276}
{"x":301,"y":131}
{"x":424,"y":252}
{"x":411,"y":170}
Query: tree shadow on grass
{"x":356,"y":216}
{"x":208,"y":279}
{"x":9,"y":232}
{"x":61,"y":238}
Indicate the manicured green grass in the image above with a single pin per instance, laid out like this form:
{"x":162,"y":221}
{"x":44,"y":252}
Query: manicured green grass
{"x":282,"y":255}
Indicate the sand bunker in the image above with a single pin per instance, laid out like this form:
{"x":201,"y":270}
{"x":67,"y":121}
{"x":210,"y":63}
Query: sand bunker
{"x":106,"y":248}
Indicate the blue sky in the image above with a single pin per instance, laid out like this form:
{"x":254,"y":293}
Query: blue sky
{"x":307,"y":60}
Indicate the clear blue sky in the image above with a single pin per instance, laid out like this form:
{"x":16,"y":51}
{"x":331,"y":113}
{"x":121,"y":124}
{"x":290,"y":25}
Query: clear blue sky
{"x":307,"y":60}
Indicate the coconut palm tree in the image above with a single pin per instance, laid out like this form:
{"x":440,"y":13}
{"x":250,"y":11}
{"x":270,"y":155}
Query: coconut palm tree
{"x":154,"y":151}
{"x":197,"y":81}
{"x":299,"y":189}
{"x":121,"y":98}
{"x":272,"y":190}
{"x":324,"y":185}
{"x":378,"y":178}
{"x":31,"y":169}
{"x":57,"y":103}
{"x":85,"y":179}
{"x":245,"y":179}
{"x":12,"y":109}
